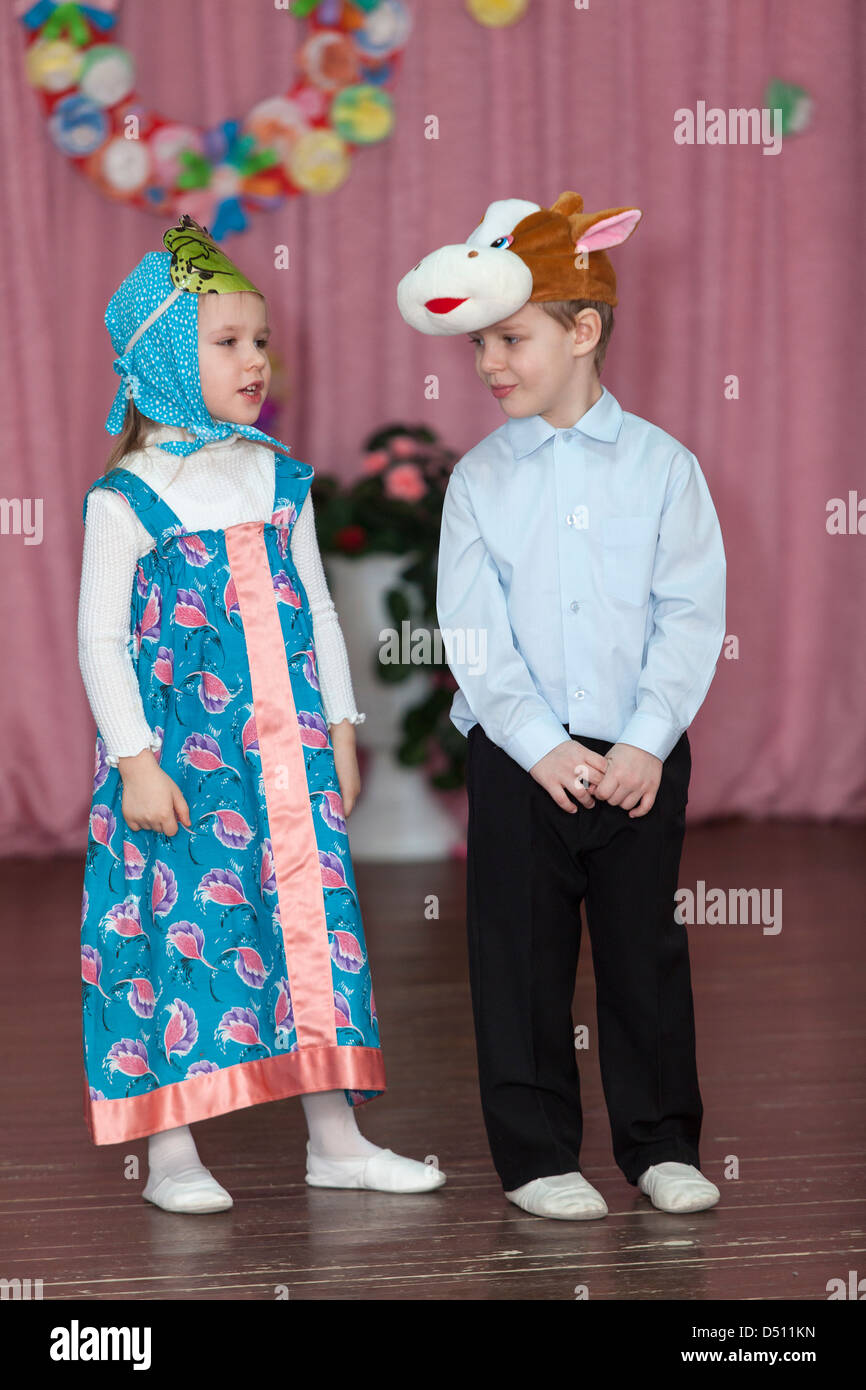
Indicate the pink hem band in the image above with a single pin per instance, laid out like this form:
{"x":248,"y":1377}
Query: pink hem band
{"x":246,"y":1083}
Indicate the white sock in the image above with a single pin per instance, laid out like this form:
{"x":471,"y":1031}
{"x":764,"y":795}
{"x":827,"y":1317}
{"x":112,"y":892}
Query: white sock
{"x":172,"y":1152}
{"x":177,"y":1179}
{"x":332,"y":1127}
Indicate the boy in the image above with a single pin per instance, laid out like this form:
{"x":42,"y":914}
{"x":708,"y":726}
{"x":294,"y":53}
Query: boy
{"x":582,"y":542}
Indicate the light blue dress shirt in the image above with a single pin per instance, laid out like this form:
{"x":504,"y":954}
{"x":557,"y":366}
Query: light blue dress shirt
{"x":581,"y":582}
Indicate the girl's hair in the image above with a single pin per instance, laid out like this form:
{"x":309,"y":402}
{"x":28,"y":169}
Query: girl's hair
{"x":131,"y":437}
{"x":134,"y":436}
{"x":565,"y":310}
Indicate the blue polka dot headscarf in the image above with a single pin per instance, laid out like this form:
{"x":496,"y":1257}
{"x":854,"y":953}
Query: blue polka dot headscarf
{"x":152,"y":318}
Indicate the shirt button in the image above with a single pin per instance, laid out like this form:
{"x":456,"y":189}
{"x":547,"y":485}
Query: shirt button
{"x":569,"y":519}
{"x":579,"y":694}
{"x":574,"y":605}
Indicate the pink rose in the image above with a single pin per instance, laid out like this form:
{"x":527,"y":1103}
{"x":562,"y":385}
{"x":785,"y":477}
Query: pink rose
{"x":375,"y":461}
{"x":403,"y":447}
{"x":405,"y":482}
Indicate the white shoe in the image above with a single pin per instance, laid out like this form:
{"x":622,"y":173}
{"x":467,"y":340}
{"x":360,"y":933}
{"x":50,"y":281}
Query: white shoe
{"x":567,"y":1196}
{"x":678,"y":1187}
{"x":195,"y":1190}
{"x":384,"y":1171}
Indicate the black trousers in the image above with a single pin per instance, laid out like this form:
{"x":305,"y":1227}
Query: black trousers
{"x":530,"y":865}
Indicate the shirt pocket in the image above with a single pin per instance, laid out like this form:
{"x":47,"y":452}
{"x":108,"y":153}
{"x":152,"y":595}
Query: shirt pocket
{"x":628,"y":555}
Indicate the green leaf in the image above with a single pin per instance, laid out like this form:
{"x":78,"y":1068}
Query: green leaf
{"x":397,"y":606}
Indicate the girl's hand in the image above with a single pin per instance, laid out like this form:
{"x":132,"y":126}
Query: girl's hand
{"x":346,"y":762}
{"x":151,"y":800}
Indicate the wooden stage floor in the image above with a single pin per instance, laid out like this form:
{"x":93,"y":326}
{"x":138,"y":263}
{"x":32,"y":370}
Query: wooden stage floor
{"x":780,"y":1028}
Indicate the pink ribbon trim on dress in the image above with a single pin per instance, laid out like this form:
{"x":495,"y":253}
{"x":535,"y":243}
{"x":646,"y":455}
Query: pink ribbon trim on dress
{"x":293,"y":837}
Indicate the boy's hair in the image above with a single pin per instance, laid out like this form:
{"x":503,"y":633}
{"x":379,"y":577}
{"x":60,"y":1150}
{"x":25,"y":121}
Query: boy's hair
{"x":131,"y":437}
{"x":565,"y":311}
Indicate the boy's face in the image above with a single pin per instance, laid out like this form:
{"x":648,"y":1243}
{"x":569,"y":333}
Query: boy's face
{"x":542,"y":362}
{"x":232,"y":337}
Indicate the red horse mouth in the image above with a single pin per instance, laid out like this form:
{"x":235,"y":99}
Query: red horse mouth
{"x":442,"y":306}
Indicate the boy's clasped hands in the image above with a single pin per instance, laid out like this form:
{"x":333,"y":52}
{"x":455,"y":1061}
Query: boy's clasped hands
{"x":627,"y":776}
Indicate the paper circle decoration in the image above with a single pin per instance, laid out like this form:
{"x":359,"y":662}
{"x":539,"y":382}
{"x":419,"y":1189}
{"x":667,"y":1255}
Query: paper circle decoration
{"x":298,"y":142}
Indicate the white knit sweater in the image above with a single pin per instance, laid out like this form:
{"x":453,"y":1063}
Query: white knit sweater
{"x":220,"y":485}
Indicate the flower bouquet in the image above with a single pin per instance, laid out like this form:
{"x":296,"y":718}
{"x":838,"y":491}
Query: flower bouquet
{"x":395,"y":508}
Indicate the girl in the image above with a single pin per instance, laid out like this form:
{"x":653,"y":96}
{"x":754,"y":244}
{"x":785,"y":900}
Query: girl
{"x":223,"y":953}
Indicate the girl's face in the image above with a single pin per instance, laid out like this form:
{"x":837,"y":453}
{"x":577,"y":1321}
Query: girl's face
{"x":233,"y":334}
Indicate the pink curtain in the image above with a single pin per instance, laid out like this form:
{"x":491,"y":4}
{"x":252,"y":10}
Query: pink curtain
{"x":745,"y":265}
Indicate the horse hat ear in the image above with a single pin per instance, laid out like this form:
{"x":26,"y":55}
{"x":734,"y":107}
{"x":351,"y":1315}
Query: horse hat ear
{"x":608,"y":229}
{"x":567,"y":203}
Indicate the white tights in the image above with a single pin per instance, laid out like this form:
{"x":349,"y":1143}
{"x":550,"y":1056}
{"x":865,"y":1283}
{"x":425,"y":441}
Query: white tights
{"x":331,"y":1124}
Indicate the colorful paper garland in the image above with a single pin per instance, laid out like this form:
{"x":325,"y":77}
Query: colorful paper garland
{"x":300,"y":142}
{"x":497,"y":14}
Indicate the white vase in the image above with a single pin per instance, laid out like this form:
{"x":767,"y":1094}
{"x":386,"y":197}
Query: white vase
{"x":398,"y":815}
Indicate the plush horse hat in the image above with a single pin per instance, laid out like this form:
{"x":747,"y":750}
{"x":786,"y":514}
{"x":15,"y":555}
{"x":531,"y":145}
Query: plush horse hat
{"x":517,"y":253}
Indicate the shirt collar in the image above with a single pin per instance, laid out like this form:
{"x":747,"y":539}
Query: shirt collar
{"x":602,"y":421}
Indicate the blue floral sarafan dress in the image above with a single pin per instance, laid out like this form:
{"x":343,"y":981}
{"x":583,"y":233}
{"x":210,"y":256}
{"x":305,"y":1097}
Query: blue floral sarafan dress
{"x":224,"y":965}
